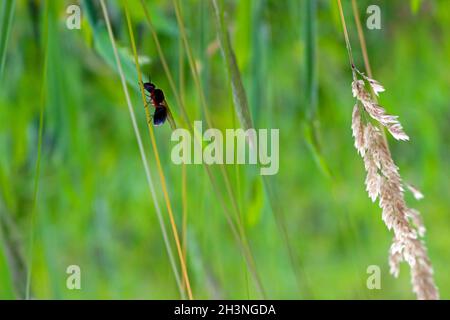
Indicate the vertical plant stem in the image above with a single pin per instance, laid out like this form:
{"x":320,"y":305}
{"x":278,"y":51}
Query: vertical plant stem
{"x":347,"y":41}
{"x":239,"y":96}
{"x":205,"y":109}
{"x":363,"y":45}
{"x":184,"y":209}
{"x":39,"y":155}
{"x":311,"y":66}
{"x":211,"y":125}
{"x":242,"y":110}
{"x":139,"y":139}
{"x":390,"y":188}
{"x":158,"y":161}
{"x":160,"y":171}
{"x":312,"y":129}
{"x":164,"y":64}
{"x":207,"y":115}
{"x":6,"y":17}
{"x":352,"y":228}
{"x":184,"y":198}
{"x":243,"y":246}
{"x":362,"y":40}
{"x":11,"y":241}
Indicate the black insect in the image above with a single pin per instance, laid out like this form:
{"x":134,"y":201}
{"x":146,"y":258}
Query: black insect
{"x":158,"y":100}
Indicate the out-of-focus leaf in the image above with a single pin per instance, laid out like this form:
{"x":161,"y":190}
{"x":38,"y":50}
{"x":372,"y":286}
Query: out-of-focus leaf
{"x":103,"y":46}
{"x":415,"y":5}
{"x":6,"y":16}
{"x":239,"y":96}
{"x":256,"y":203}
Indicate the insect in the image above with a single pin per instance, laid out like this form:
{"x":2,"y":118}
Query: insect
{"x":162,"y":111}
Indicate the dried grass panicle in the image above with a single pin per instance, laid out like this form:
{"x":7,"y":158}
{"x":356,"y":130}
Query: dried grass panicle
{"x":384,"y":182}
{"x":376,"y":111}
{"x":358,"y":130}
{"x":418,"y":195}
{"x":414,"y":252}
{"x":376,"y":86}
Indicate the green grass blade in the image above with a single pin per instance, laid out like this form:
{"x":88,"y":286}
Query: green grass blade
{"x":6,"y":17}
{"x":39,"y":155}
{"x":11,"y":241}
{"x":237,"y":216}
{"x":415,"y":5}
{"x":312,"y":133}
{"x":186,"y":281}
{"x":310,"y":61}
{"x":239,"y":96}
{"x":243,"y":112}
{"x":103,"y":46}
{"x":138,"y":138}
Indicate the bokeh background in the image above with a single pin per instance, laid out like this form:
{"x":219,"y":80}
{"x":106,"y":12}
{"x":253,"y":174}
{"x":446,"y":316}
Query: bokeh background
{"x":93,"y":207}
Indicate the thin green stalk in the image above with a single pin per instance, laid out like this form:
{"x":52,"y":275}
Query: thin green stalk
{"x":363,"y":45}
{"x":206,"y":112}
{"x":184,"y":197}
{"x":42,"y":102}
{"x":141,"y":146}
{"x":257,"y":64}
{"x":312,"y":132}
{"x":158,"y":162}
{"x":242,"y":110}
{"x":354,"y":232}
{"x":347,"y":41}
{"x":238,"y":216}
{"x":236,"y":234}
{"x":239,"y":96}
{"x":11,"y":241}
{"x":362,"y":40}
{"x":310,"y":65}
{"x":6,"y":17}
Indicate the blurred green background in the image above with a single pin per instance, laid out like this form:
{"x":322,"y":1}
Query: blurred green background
{"x":93,"y":206}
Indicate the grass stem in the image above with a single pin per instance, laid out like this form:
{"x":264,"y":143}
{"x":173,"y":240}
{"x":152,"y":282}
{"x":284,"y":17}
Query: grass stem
{"x":39,"y":156}
{"x":139,"y":141}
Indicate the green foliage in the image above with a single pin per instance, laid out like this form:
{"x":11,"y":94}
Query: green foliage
{"x":286,"y":66}
{"x":6,"y":15}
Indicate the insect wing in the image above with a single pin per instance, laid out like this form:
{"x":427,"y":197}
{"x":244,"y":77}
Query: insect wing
{"x":169,"y":116}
